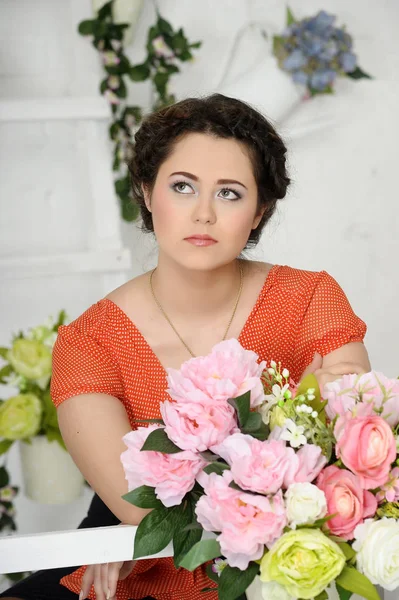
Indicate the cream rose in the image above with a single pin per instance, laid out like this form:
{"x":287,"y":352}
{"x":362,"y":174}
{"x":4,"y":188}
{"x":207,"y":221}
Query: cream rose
{"x":305,"y":503}
{"x":377,"y":547}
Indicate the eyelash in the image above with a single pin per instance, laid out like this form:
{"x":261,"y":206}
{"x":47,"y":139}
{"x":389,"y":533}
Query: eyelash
{"x":238,"y":195}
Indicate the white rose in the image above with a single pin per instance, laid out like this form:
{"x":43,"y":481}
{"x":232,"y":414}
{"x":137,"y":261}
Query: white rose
{"x":377,"y":547}
{"x":305,"y":504}
{"x":271,"y":590}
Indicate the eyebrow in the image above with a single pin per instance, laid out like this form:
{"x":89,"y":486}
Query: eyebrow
{"x":195,"y":178}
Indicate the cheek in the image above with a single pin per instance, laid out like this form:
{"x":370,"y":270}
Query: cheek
{"x":164,"y":212}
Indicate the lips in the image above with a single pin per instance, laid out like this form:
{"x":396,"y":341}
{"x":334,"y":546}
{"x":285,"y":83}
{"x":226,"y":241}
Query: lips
{"x":201,"y":240}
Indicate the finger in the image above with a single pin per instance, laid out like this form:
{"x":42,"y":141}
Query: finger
{"x":104,"y":580}
{"x":113,"y":576}
{"x":98,"y":582}
{"x":87,"y":581}
{"x":127,"y":568}
{"x":316,"y":363}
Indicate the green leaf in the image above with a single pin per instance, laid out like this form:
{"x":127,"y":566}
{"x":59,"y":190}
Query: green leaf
{"x":154,"y":532}
{"x":160,"y":81}
{"x":196,"y":45}
{"x":86,"y":27}
{"x":347,"y":550}
{"x":3,"y":352}
{"x":164,"y":26}
{"x":200,"y":553}
{"x":54,"y":435}
{"x":5,"y":445}
{"x":4,"y":477}
{"x":143,"y":497}
{"x":5,"y":372}
{"x":233,"y":582}
{"x":351,"y":580}
{"x":129,"y":209}
{"x":242,"y":406}
{"x":310,"y":381}
{"x":159,"y":442}
{"x":253,"y":423}
{"x":122,"y":185}
{"x":50,"y":418}
{"x":322,"y":596}
{"x":105,"y":11}
{"x":216,"y":467}
{"x":343,"y":594}
{"x":184,"y":540}
{"x":62,"y":317}
{"x":358,"y":73}
{"x":139,"y":72}
{"x":290,"y":17}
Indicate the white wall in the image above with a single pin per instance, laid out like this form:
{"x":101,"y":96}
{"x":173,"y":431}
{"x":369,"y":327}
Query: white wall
{"x":340,"y":214}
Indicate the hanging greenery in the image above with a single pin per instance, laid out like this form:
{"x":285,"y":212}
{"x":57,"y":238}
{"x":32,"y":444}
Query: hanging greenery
{"x":165,"y":49}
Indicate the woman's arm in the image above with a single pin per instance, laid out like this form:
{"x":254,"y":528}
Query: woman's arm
{"x":350,"y":358}
{"x":92,"y":426}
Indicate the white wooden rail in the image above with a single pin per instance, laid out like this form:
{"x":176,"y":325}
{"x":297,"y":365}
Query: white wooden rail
{"x":19,"y":553}
{"x":50,"y":550}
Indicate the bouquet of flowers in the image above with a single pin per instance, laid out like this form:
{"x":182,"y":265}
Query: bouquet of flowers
{"x":315,"y":52}
{"x":300,"y":490}
{"x":28,"y":364}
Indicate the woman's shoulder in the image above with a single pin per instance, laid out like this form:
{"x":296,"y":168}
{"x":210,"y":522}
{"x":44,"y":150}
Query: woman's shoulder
{"x":295,"y":280}
{"x":291,"y":280}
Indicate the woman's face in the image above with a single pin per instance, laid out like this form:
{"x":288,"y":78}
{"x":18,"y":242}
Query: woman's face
{"x":206,"y":187}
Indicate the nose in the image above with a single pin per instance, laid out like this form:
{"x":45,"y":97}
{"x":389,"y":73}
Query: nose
{"x":204,"y":211}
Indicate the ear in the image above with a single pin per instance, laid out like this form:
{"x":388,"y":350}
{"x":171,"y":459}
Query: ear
{"x":147,"y":197}
{"x":258,"y":217}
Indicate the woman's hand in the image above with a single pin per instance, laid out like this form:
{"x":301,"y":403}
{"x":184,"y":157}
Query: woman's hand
{"x":105,"y":578}
{"x":331,"y":372}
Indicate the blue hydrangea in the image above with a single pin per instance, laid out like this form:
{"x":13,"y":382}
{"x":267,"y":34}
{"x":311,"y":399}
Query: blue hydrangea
{"x":314,"y":51}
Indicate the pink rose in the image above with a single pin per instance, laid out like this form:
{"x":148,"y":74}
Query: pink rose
{"x":172,"y":475}
{"x":227,"y":372}
{"x":346,"y":499}
{"x":390,"y":490}
{"x":257,"y":466}
{"x":373,"y":387}
{"x":309,"y":463}
{"x":198,"y":426}
{"x":246,"y":522}
{"x":366,"y":445}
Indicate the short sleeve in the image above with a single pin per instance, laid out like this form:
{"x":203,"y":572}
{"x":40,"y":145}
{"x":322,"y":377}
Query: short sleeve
{"x":329,"y":321}
{"x":82,"y":365}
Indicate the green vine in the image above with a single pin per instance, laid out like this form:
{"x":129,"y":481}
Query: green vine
{"x":165,"y":49}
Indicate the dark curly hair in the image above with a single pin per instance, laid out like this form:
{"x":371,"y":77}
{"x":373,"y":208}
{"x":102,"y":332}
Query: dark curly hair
{"x":222,"y":117}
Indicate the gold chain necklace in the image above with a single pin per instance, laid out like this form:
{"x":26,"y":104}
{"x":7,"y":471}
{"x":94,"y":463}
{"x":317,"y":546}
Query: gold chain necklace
{"x":174,"y":328}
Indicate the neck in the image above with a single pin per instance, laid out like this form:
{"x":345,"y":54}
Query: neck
{"x":190,"y":293}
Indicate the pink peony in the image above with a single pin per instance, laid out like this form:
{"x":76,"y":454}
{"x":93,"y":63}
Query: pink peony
{"x":197,"y":426}
{"x":373,"y":387}
{"x":246,"y":522}
{"x":346,"y":499}
{"x":390,"y":490}
{"x":258,"y":466}
{"x":366,"y":445}
{"x":309,"y":463}
{"x":172,"y":475}
{"x":227,"y":372}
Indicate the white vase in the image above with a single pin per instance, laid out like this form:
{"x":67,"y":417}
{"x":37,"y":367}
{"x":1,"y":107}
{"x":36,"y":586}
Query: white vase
{"x":49,"y":474}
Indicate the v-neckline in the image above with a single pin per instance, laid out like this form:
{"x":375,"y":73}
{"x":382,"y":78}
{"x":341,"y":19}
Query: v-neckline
{"x":150,"y":354}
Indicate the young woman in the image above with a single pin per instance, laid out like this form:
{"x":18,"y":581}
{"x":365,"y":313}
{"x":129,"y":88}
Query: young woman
{"x":207,"y":174}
